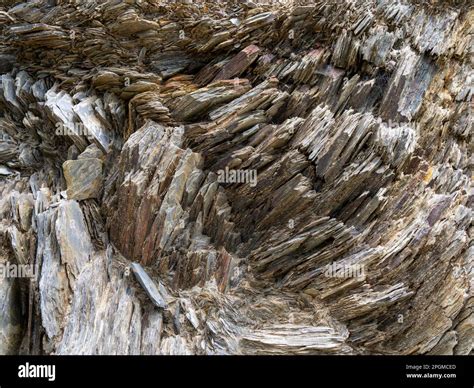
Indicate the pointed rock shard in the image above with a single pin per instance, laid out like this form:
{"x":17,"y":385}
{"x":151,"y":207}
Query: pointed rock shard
{"x":83,"y":178}
{"x":94,"y":128}
{"x":73,"y":237}
{"x":148,"y":285}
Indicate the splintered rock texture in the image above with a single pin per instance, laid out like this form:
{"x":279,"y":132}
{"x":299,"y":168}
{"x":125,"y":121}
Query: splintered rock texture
{"x":83,"y":178}
{"x":236,"y":177}
{"x":148,"y":285}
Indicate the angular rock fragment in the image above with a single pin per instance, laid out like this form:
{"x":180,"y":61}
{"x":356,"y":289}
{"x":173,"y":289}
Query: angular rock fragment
{"x":83,"y":178}
{"x":73,"y":237}
{"x":125,"y":130}
{"x":293,"y":339}
{"x":94,"y":129}
{"x":202,"y":100}
{"x":149,"y":286}
{"x":237,"y":65}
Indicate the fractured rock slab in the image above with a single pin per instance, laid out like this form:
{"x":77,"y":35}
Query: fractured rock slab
{"x":83,"y":178}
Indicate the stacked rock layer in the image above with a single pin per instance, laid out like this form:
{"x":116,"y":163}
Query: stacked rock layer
{"x":124,"y":126}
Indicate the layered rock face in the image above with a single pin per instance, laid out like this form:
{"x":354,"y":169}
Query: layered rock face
{"x":237,"y":178}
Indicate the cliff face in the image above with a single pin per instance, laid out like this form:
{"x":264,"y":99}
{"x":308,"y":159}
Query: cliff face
{"x":236,"y":178}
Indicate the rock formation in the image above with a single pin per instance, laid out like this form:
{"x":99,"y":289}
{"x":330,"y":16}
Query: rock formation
{"x":232,"y":177}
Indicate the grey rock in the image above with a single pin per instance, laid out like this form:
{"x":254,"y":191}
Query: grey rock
{"x":149,"y":286}
{"x":354,"y":237}
{"x":83,"y":178}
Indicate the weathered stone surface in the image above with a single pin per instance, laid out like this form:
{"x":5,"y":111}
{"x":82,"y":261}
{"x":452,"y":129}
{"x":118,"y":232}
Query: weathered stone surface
{"x":91,"y":152}
{"x":202,"y":100}
{"x":148,"y":285}
{"x":280,"y":178}
{"x":291,"y":339}
{"x":73,"y":238}
{"x":237,"y":65}
{"x":53,"y":283}
{"x":11,"y":325}
{"x":83,"y":178}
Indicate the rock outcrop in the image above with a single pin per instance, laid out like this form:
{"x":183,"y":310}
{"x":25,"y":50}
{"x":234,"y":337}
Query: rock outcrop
{"x":237,"y":178}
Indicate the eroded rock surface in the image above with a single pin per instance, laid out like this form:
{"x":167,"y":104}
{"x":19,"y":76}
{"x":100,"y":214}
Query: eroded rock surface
{"x":237,"y":178}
